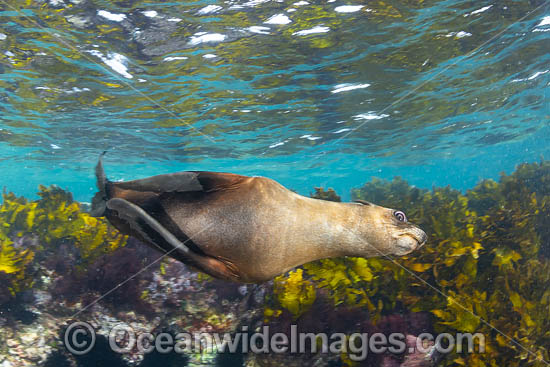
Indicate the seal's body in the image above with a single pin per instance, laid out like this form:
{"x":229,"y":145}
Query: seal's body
{"x":247,"y":229}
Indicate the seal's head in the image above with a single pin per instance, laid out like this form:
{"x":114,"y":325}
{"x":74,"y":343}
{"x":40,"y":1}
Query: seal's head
{"x":392,"y":233}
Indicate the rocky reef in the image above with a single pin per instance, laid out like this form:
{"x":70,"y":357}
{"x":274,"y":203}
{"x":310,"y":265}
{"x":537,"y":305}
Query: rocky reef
{"x":485,"y":269}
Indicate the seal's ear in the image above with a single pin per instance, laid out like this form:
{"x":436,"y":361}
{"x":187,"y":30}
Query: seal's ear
{"x":363,"y":202}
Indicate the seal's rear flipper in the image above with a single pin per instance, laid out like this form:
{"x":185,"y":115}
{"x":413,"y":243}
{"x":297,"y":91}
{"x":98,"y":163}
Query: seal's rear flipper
{"x":100,"y":198}
{"x":150,"y":230}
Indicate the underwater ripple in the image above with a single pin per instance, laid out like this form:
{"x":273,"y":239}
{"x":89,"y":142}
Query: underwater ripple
{"x":330,"y":93}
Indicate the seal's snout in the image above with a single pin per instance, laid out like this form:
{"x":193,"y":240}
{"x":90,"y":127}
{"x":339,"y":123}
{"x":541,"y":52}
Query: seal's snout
{"x":419,"y":235}
{"x":412,"y":239}
{"x":422,"y":239}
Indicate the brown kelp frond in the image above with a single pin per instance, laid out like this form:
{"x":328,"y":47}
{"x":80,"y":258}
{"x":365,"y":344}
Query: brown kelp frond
{"x":329,"y":194}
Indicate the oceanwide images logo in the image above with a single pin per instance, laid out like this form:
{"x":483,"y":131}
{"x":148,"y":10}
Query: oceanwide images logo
{"x":80,"y":338}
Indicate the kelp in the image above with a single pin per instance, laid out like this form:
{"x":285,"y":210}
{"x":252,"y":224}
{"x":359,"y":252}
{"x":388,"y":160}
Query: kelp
{"x":294,"y":293}
{"x":329,"y":194}
{"x":485,"y":268}
{"x":57,"y":217}
{"x":52,"y":220}
{"x":13,"y":269}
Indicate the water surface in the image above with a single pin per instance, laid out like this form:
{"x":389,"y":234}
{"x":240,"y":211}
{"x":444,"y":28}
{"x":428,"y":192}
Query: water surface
{"x":309,"y":93}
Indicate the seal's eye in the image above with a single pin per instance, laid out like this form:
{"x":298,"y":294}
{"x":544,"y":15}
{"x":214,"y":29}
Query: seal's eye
{"x":400,"y":216}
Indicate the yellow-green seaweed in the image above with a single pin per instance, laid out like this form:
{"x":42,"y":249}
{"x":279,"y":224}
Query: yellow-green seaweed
{"x":485,"y":268}
{"x":52,"y":219}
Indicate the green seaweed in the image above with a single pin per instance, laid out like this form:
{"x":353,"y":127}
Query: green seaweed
{"x":485,"y":268}
{"x":53,"y":219}
{"x":13,"y":265}
{"x":294,"y":293}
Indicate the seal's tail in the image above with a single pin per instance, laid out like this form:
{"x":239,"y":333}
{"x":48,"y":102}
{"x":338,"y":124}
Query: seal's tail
{"x":100,"y":198}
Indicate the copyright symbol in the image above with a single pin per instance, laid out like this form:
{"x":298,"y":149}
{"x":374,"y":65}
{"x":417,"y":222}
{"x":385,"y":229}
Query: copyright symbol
{"x":79,"y":338}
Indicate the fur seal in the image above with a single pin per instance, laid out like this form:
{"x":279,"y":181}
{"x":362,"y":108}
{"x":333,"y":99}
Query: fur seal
{"x":247,"y":229}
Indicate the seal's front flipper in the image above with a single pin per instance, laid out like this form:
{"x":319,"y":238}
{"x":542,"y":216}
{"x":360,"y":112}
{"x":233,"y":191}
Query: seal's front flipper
{"x":188,"y":181}
{"x":151,"y":231}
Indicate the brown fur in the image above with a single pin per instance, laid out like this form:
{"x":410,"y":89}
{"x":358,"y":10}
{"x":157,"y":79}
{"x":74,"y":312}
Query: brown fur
{"x":250,"y":229}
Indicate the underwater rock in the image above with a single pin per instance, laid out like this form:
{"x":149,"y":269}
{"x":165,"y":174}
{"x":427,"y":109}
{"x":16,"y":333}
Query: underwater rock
{"x":418,"y":358}
{"x":29,"y":345}
{"x":487,"y":251}
{"x":298,"y":360}
{"x":111,"y":271}
{"x":165,"y":294}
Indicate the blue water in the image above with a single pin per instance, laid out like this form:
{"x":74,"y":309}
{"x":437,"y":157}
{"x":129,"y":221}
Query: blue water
{"x":311,"y":93}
